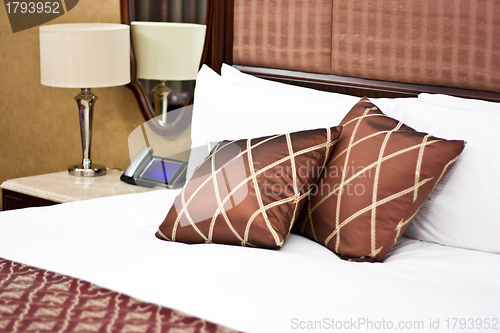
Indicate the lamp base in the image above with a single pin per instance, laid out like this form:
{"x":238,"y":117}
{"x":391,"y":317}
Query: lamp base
{"x":161,"y":92}
{"x":94,"y":171}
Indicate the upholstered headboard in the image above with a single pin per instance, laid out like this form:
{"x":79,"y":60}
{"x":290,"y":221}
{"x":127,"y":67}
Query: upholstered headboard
{"x":376,"y":48}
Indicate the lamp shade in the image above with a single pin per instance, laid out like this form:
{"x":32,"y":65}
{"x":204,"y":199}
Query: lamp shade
{"x":167,"y":51}
{"x":85,"y":55}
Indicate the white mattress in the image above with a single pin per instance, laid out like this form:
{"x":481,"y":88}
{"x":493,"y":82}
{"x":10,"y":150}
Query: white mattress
{"x":111,"y":242}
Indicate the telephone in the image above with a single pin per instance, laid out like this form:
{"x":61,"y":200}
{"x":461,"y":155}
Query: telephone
{"x":149,"y":170}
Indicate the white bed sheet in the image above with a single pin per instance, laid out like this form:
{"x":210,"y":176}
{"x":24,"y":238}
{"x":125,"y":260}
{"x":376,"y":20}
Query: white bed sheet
{"x":111,"y":242}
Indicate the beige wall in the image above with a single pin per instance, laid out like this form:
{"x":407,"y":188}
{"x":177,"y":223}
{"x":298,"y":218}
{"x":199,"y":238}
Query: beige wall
{"x":39,"y":129}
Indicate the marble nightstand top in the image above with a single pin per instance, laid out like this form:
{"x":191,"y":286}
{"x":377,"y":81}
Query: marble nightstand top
{"x":62,"y":187}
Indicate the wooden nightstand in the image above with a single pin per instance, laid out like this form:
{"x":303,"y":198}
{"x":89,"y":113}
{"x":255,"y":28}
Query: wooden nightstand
{"x":59,"y":187}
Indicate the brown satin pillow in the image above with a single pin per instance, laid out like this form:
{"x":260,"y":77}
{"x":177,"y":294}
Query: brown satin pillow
{"x":249,"y":192}
{"x":380,"y":173}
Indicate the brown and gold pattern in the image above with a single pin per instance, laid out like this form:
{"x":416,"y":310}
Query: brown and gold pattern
{"x":380,"y":173}
{"x":37,"y":300}
{"x":249,"y":192}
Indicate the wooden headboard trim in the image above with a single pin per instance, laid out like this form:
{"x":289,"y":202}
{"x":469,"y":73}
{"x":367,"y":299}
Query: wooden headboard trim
{"x":220,"y":23}
{"x":361,"y":87}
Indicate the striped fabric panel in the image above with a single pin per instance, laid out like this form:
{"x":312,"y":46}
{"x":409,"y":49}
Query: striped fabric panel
{"x":451,"y":43}
{"x":286,"y":34}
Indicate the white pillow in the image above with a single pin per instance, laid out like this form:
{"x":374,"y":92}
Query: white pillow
{"x":457,"y":102}
{"x":464,"y":209}
{"x":230,"y":110}
{"x":233,"y":75}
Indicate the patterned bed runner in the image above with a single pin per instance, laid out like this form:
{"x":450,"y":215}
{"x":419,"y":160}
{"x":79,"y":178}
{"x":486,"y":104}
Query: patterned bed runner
{"x":37,"y":300}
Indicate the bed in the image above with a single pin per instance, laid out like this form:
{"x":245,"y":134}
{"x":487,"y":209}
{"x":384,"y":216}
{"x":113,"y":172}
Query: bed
{"x":96,"y":265}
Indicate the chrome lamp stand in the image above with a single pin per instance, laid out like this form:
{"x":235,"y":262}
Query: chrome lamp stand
{"x":161,"y":92}
{"x":86,"y":100}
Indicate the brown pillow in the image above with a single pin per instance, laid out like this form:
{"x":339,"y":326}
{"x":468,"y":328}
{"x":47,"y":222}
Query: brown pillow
{"x":249,"y":192}
{"x":380,"y":173}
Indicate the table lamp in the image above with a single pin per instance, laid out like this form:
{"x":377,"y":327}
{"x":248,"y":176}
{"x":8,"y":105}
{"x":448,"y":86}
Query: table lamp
{"x":85,"y":55}
{"x":167,"y":51}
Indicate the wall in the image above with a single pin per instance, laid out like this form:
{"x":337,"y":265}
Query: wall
{"x":39,"y":128}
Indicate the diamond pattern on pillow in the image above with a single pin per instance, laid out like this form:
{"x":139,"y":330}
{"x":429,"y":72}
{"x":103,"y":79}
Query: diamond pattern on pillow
{"x":249,"y":192}
{"x":380,"y":173}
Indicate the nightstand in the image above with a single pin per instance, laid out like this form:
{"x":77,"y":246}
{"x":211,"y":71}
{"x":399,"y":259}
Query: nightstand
{"x":59,"y":187}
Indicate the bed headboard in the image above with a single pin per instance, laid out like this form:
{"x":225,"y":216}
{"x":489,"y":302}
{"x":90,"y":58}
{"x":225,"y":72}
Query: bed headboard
{"x":378,"y":48}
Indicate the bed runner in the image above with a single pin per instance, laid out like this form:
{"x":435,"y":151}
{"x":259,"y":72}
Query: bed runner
{"x":37,"y":300}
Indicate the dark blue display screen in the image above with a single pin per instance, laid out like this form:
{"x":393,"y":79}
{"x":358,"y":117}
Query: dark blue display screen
{"x":161,"y":170}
